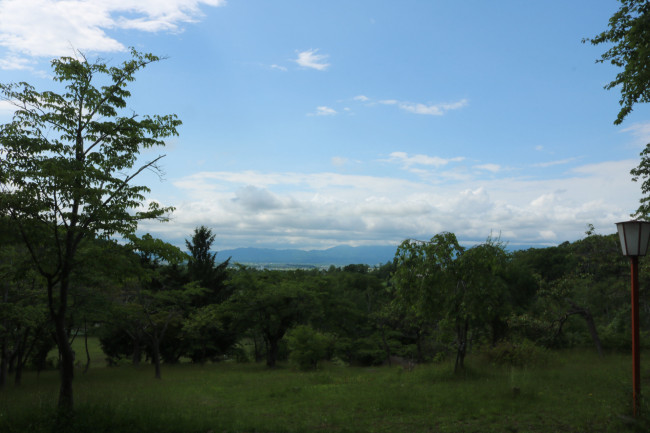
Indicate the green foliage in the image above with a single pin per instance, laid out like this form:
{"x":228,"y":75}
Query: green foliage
{"x":307,"y":347}
{"x":66,"y":173}
{"x":203,"y":269}
{"x":629,"y":32}
{"x":516,"y":354}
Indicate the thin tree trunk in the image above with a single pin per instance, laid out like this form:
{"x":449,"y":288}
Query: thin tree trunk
{"x":137,"y":352}
{"x":156,"y":357}
{"x":462,"y":345}
{"x":4,"y":365}
{"x":66,"y":402}
{"x":86,"y":347}
{"x":272,"y":353}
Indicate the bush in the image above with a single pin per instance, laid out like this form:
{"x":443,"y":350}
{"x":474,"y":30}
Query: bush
{"x":522,"y":354}
{"x":307,"y":347}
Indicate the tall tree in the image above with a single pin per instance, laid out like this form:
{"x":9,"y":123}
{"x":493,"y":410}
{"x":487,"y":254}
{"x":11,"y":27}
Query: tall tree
{"x":202,"y":265}
{"x":629,"y":32}
{"x":66,"y":172}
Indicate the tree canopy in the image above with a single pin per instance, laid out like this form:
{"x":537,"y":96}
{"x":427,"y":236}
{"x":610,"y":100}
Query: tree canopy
{"x":66,"y":170}
{"x":629,"y":31}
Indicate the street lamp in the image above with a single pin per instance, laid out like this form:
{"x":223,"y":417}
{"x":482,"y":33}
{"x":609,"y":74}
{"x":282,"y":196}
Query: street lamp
{"x":635,"y":236}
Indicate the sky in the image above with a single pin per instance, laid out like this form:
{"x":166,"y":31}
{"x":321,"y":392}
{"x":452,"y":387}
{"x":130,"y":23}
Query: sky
{"x":311,"y":124}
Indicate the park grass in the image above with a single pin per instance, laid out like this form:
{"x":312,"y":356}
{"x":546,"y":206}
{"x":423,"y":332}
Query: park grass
{"x":574,"y":392}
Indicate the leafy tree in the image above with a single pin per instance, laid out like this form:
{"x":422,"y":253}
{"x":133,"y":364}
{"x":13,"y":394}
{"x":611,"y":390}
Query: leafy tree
{"x":271,"y":303}
{"x":426,"y":273}
{"x":66,"y":173}
{"x":480,"y":296}
{"x":629,"y":31}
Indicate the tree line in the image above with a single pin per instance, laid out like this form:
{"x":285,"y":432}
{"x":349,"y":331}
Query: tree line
{"x":436,"y":301}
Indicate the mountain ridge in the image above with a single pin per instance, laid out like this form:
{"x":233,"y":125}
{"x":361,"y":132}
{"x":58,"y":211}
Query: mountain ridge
{"x":338,"y":256}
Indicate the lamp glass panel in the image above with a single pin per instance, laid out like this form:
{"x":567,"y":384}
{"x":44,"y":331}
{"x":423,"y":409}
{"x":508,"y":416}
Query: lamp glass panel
{"x":645,"y":238}
{"x":634,"y":237}
{"x":621,"y":236}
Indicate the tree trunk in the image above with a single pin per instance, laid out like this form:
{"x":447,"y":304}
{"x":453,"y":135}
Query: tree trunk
{"x":156,"y":356}
{"x":586,"y":314}
{"x":461,"y":331}
{"x":137,"y":351}
{"x":86,"y":347}
{"x":4,"y":365}
{"x":67,"y":365}
{"x":272,"y":353}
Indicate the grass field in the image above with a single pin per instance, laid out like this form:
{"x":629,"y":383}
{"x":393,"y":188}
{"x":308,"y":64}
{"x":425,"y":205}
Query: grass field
{"x":574,"y":392}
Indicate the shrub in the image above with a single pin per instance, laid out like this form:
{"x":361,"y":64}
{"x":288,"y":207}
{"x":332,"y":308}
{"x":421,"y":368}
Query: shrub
{"x":307,"y":347}
{"x":516,"y":354}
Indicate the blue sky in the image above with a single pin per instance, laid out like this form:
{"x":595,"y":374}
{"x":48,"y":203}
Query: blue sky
{"x":310,"y":124}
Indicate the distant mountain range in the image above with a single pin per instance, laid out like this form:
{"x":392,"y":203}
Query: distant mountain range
{"x":337,"y":256}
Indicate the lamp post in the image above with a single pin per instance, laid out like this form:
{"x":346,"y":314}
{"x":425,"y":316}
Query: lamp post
{"x":635,"y":236}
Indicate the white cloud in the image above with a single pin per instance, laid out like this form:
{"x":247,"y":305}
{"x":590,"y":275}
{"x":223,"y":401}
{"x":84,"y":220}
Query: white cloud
{"x":426,"y":109}
{"x":278,"y":67}
{"x":552,"y":163}
{"x":339,"y":161}
{"x":494,"y":168}
{"x":361,"y":98}
{"x":6,"y":108}
{"x":325,"y":209}
{"x":640,"y":132}
{"x":310,"y":59}
{"x":432,"y":110}
{"x":408,"y":161}
{"x":324,"y":111}
{"x":50,"y":28}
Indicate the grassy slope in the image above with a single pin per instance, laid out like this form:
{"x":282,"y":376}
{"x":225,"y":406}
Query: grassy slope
{"x":578,"y":392}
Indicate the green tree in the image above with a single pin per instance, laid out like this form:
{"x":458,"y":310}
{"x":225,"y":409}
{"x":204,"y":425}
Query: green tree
{"x":66,"y":173}
{"x":271,"y":303}
{"x":202,"y":265}
{"x":629,"y":32}
{"x":426,"y":275}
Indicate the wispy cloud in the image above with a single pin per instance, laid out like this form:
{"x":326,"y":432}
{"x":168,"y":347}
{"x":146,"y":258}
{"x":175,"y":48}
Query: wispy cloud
{"x":426,"y":109}
{"x":361,"y":98}
{"x":311,"y":59}
{"x":552,"y":163}
{"x":407,"y":162}
{"x":640,"y":132}
{"x":339,"y":161}
{"x":50,"y":28}
{"x":279,"y":68}
{"x":323,"y":111}
{"x":494,"y":168}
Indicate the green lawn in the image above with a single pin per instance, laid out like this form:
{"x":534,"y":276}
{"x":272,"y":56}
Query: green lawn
{"x":576,"y":392}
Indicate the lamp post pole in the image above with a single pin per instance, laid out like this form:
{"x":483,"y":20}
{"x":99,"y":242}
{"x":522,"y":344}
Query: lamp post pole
{"x":636,"y":356}
{"x":635,"y":238}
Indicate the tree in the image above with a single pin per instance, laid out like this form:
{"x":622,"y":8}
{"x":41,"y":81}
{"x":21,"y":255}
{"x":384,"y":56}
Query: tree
{"x":629,"y":31}
{"x":66,"y":173}
{"x":426,"y":275}
{"x":271,"y":303}
{"x":202,"y":265}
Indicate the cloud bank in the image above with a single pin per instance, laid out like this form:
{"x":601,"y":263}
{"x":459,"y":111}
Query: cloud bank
{"x":50,"y":28}
{"x":320,"y":210}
